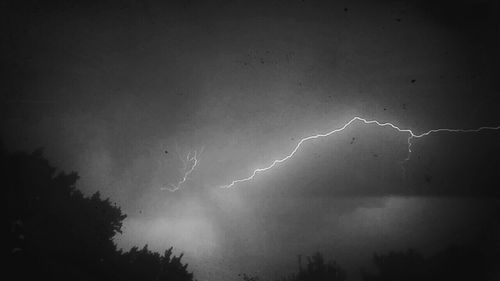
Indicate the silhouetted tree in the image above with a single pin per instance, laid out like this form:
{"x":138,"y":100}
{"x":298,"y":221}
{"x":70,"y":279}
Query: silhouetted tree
{"x":318,"y":270}
{"x":453,"y":263}
{"x":56,"y":232}
{"x":400,"y":266}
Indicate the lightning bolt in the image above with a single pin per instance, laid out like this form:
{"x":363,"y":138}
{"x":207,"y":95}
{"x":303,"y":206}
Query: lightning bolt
{"x":411,"y":136}
{"x":190,"y":164}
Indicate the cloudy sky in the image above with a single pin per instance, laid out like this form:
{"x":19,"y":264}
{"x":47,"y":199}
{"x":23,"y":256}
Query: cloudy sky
{"x":107,"y":88}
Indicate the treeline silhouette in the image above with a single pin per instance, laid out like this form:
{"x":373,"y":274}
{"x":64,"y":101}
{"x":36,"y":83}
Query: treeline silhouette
{"x":57,"y":233}
{"x":454,"y":263}
{"x":318,"y":269}
{"x":457,"y":262}
{"x":54,"y":232}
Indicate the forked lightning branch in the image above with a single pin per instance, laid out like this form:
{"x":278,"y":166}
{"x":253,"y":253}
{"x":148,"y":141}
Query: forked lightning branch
{"x":192,"y":159}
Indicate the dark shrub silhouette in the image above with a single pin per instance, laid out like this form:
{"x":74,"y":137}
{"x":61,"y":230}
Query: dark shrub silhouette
{"x":408,"y":265}
{"x":318,"y":270}
{"x":57,"y":233}
{"x":453,"y":263}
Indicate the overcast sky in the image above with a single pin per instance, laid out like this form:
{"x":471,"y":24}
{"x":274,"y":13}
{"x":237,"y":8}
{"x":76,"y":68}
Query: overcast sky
{"x":107,"y":88}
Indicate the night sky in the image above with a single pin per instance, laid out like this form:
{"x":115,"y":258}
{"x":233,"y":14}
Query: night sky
{"x":108,"y":88}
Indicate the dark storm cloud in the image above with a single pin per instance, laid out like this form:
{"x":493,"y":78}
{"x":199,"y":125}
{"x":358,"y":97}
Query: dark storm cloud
{"x":241,"y":77}
{"x":446,"y":165}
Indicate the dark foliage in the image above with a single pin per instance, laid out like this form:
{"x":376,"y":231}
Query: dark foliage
{"x":57,"y":233}
{"x":454,"y":263}
{"x":54,"y":232}
{"x":317,"y":270}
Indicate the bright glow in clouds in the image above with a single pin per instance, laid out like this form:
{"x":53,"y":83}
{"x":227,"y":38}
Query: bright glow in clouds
{"x":192,"y":234}
{"x":411,"y":135}
{"x":188,"y":227}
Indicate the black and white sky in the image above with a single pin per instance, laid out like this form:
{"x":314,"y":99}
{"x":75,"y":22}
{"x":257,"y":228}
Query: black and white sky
{"x":107,"y":87}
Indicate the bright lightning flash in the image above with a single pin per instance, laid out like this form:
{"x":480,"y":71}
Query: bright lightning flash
{"x":190,"y":164}
{"x":411,"y":136}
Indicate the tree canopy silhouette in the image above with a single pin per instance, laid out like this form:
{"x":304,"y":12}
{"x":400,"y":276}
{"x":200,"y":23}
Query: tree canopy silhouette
{"x":453,"y":263}
{"x":317,"y":269}
{"x":56,"y":232}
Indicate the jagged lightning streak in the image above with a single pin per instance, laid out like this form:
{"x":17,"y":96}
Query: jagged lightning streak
{"x":410,"y":133}
{"x":192,"y":161}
